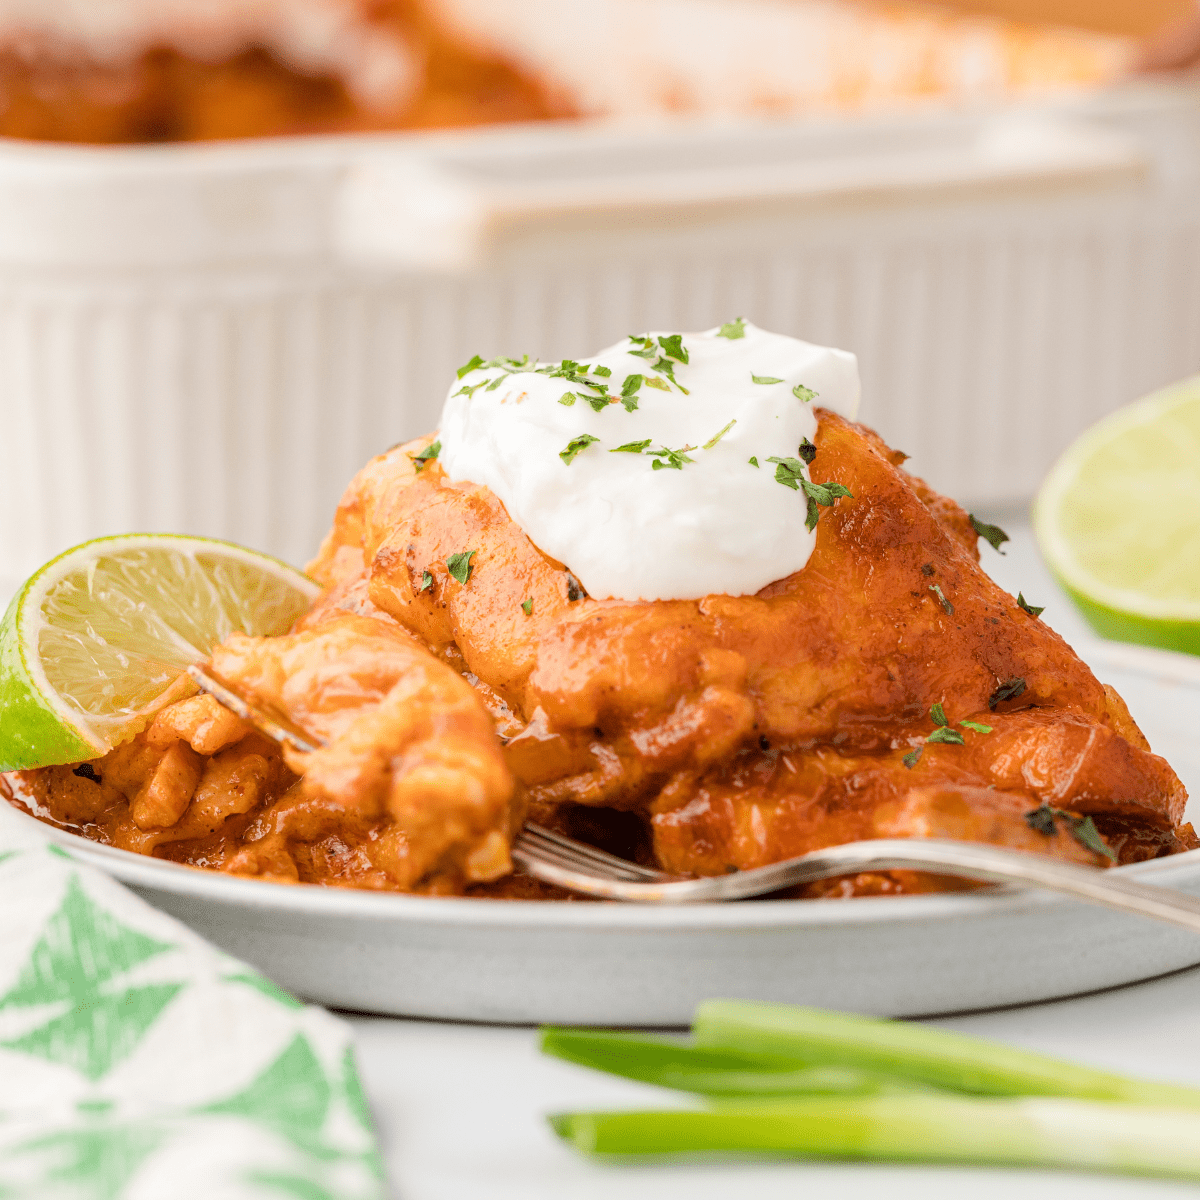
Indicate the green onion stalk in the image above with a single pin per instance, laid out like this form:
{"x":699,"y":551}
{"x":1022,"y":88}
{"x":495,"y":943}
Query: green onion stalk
{"x":790,"y":1081}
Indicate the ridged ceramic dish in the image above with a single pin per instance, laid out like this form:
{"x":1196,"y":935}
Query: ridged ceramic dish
{"x":614,"y":964}
{"x":213,"y":339}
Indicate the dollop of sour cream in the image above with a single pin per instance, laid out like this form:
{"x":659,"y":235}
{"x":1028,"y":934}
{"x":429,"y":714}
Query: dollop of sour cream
{"x":635,"y":467}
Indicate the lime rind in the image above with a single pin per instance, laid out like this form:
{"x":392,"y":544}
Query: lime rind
{"x":1164,"y":608}
{"x":32,"y":733}
{"x":121,"y":618}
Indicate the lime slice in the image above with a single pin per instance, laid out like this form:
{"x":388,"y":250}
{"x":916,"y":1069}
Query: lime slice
{"x":1118,"y":521}
{"x":97,"y":640}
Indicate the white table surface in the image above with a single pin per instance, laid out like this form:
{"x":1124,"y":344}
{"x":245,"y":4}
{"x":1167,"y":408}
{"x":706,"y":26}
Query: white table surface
{"x":461,"y":1109}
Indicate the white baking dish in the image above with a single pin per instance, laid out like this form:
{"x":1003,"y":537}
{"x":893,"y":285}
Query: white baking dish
{"x":212,"y":339}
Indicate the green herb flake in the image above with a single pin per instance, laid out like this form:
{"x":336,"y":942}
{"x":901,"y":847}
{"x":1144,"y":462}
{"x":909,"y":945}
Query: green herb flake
{"x":807,"y":451}
{"x":976,"y":727}
{"x":1010,"y":689}
{"x":673,"y":347}
{"x":789,"y":472}
{"x":1083,"y":829}
{"x":629,"y":390}
{"x":427,"y":455}
{"x":804,"y":393}
{"x":992,"y":534}
{"x":733,"y":329}
{"x":1032,"y":609}
{"x":475,"y":363}
{"x":426,"y":583}
{"x":913,"y":757}
{"x":469,"y":390}
{"x":945,"y":734}
{"x":600,"y":403}
{"x":527,"y":606}
{"x":459,"y":565}
{"x":712,"y":441}
{"x":1041,"y":820}
{"x":665,"y":459}
{"x":754,"y":460}
{"x":660,"y":384}
{"x":582,"y":442}
{"x":764,"y":378}
{"x":602,"y":371}
{"x":568,"y":398}
{"x":937,"y":591}
{"x":631,"y":447}
{"x":938,"y":713}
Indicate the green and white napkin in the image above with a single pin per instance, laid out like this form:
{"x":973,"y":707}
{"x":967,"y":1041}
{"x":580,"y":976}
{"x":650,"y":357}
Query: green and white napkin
{"x":137,"y":1062}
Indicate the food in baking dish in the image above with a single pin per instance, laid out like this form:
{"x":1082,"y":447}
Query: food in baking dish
{"x":855,"y":673}
{"x":110,"y":71}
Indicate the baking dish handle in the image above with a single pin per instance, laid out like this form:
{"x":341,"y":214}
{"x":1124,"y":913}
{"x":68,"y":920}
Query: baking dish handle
{"x":443,"y":209}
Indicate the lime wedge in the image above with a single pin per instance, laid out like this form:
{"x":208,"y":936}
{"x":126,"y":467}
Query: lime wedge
{"x":1118,"y":521}
{"x":96,"y":641}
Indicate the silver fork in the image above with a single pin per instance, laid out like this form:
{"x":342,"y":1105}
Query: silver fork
{"x":577,"y":867}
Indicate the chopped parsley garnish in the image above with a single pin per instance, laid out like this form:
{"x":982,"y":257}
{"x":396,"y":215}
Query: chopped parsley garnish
{"x":754,"y":460}
{"x":1083,"y":829}
{"x":716,"y":437}
{"x":673,"y":459}
{"x":937,"y":591}
{"x":804,"y":393}
{"x":1032,"y":609}
{"x":644,"y":347}
{"x":807,"y":451}
{"x":673,"y":347}
{"x":764,"y":378}
{"x":629,"y":390}
{"x":733,"y":329}
{"x":469,"y":390}
{"x":992,"y":534}
{"x":568,"y":398}
{"x":600,"y":403}
{"x":945,"y":734}
{"x":913,"y":757}
{"x":473,"y":365}
{"x":582,"y":442}
{"x":427,"y":455}
{"x":426,"y":582}
{"x":790,"y":472}
{"x":527,"y":606}
{"x":1010,"y":689}
{"x":631,"y":447}
{"x":604,"y":371}
{"x":459,"y":565}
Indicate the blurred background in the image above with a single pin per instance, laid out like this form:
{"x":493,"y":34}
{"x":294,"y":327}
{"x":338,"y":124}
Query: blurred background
{"x":245,"y":243}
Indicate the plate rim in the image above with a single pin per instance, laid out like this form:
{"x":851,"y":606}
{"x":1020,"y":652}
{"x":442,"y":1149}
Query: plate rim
{"x":320,"y":901}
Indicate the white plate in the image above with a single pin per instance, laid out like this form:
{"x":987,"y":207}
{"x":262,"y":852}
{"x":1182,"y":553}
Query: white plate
{"x":611,"y":964}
